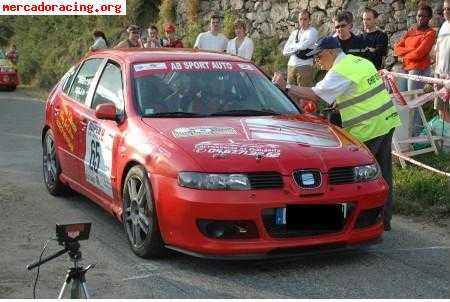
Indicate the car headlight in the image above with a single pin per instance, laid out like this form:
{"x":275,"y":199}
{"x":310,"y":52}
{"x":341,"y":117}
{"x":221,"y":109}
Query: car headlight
{"x":7,"y":69}
{"x":210,"y":181}
{"x":367,"y":172}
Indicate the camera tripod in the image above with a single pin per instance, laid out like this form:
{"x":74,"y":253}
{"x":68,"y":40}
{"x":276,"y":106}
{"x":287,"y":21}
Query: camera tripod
{"x":75,"y":275}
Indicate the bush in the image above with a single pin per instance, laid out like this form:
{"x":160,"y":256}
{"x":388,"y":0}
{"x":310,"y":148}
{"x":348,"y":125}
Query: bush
{"x":268,"y":55}
{"x":228,"y":24}
{"x":166,"y":13}
{"x":191,"y":33}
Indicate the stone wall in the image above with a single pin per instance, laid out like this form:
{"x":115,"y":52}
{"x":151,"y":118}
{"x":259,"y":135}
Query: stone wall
{"x":277,"y":18}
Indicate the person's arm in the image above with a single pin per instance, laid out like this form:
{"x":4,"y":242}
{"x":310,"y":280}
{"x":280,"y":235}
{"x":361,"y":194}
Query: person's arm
{"x":248,"y":51}
{"x":123,"y":44}
{"x":400,"y":49}
{"x":382,"y":44}
{"x":424,"y":48}
{"x":230,"y":48}
{"x":225,"y":44}
{"x":179,"y":44}
{"x":197,"y":41}
{"x":311,"y":37}
{"x":303,"y":93}
{"x":289,"y":47}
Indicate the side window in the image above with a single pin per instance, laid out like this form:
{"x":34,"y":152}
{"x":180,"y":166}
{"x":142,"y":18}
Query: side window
{"x":83,"y":80}
{"x":68,"y":78}
{"x":109,"y":88}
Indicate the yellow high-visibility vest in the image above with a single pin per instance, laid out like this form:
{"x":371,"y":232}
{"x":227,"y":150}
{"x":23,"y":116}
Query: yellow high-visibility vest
{"x":367,"y":112}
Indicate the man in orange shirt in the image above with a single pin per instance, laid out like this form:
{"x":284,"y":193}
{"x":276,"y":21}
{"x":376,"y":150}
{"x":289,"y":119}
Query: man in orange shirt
{"x":413,"y":51}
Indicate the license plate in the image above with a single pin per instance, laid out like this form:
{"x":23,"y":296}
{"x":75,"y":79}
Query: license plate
{"x":314,"y":217}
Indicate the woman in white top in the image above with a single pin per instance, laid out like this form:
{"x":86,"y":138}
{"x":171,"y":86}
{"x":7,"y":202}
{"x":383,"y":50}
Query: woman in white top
{"x":241,"y":45}
{"x":100,"y":41}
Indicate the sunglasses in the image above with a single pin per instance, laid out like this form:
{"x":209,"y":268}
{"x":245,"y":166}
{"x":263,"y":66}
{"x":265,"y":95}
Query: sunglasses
{"x":340,"y":26}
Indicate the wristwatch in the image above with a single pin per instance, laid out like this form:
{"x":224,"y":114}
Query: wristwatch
{"x":288,"y":86}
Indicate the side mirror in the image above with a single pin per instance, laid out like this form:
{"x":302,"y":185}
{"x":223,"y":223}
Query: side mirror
{"x":106,"y":111}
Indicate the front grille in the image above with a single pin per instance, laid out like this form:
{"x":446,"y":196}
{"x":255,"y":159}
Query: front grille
{"x":265,"y":180}
{"x":342,"y":175}
{"x":312,"y":179}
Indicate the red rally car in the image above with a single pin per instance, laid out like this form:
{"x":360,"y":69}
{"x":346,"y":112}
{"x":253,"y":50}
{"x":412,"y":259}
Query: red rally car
{"x":200,"y":153}
{"x":8,"y":73}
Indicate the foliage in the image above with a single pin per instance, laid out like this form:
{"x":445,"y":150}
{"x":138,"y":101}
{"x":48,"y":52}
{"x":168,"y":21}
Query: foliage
{"x":6,"y":30}
{"x":192,"y":10}
{"x":166,"y":13}
{"x":191,"y":33}
{"x":228,"y":24}
{"x":420,"y":192}
{"x":267,"y":54}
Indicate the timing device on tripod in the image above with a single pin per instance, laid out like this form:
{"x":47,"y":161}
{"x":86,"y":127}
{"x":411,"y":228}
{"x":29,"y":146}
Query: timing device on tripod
{"x":69,"y":235}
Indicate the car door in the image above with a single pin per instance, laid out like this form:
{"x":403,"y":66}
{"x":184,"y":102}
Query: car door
{"x":100,"y":138}
{"x":67,"y":123}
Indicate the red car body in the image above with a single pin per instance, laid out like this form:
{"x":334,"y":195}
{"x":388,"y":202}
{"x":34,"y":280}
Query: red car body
{"x":271,"y":150}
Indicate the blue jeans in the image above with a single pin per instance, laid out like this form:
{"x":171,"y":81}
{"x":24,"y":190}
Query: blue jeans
{"x":408,"y":85}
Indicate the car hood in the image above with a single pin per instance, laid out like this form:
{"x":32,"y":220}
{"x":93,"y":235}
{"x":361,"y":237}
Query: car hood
{"x":252,"y":144}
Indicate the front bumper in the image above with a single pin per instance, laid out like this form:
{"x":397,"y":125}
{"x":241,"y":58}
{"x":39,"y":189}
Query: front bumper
{"x":9,"y":79}
{"x":180,"y":208}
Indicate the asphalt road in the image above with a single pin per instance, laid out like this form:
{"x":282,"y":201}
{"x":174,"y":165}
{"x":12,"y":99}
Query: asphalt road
{"x":412,"y":262}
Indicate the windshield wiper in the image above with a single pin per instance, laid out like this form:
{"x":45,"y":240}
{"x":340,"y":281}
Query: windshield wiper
{"x":174,"y":114}
{"x":245,"y":113}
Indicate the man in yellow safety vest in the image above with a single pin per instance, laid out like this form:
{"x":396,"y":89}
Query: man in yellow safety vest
{"x":357,"y":90}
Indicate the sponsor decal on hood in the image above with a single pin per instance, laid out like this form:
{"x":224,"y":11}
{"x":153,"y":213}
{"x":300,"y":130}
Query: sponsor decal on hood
{"x":239,"y":149}
{"x":202,"y":131}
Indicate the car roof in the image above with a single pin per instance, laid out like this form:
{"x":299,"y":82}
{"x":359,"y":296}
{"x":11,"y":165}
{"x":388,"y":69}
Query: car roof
{"x":137,"y":55}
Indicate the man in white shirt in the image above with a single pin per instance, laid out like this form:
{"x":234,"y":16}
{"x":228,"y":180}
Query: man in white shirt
{"x":443,"y":59}
{"x":300,"y":71}
{"x":213,"y":39}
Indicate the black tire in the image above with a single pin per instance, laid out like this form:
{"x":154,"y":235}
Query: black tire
{"x":139,"y":215}
{"x":50,"y":166}
{"x":12,"y":88}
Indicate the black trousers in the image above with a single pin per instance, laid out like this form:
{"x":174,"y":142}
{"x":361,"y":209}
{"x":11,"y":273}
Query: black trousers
{"x":381,"y":148}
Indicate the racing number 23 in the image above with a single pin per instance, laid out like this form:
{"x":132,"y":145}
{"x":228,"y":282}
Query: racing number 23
{"x":94,"y":160}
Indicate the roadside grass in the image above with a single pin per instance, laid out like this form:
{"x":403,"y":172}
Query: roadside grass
{"x":421,"y":193}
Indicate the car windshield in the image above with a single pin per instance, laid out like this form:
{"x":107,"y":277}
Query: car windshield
{"x":199,"y":89}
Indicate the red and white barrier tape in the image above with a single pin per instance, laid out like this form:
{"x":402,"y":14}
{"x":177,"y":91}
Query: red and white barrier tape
{"x":443,"y":93}
{"x":429,"y":80}
{"x":420,"y":164}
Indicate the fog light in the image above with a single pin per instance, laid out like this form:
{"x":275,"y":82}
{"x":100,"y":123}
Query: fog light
{"x":369,"y":218}
{"x":228,"y":229}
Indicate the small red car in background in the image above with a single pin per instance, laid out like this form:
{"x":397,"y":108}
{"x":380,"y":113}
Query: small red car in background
{"x":8,"y":73}
{"x":200,"y":153}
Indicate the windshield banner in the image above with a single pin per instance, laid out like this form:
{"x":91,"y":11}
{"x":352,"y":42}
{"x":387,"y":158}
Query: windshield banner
{"x":144,"y":69}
